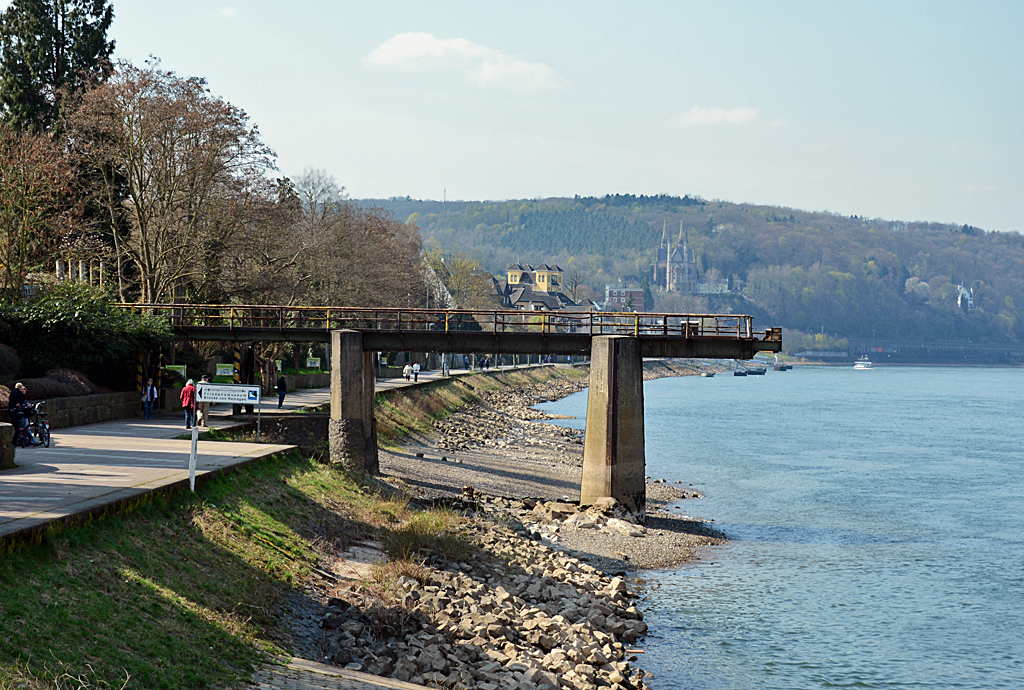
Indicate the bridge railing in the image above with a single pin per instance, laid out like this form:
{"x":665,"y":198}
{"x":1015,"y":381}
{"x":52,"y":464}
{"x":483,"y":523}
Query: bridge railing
{"x":264,"y":317}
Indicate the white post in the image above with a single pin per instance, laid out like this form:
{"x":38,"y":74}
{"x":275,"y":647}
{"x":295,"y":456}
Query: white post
{"x":192,"y":457}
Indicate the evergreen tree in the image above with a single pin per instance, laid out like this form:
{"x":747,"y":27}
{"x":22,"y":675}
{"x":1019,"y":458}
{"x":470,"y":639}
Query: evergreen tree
{"x":50,"y":49}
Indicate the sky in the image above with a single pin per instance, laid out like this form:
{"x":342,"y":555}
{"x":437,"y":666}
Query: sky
{"x":898,"y":110}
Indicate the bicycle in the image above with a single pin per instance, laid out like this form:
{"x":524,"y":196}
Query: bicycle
{"x":36,"y":430}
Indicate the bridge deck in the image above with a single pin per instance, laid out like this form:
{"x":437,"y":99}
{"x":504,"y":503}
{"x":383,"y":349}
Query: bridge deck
{"x":454,"y":330}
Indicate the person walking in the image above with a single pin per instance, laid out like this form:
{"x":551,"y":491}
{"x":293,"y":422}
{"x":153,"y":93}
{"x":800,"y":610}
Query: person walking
{"x":407,"y":371}
{"x":149,"y":396}
{"x":282,"y":388}
{"x":188,"y":402}
{"x":416,"y":371}
{"x":203,"y":408}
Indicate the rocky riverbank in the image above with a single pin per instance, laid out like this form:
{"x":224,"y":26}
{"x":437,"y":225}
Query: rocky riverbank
{"x":540,"y":595}
{"x":515,"y":614}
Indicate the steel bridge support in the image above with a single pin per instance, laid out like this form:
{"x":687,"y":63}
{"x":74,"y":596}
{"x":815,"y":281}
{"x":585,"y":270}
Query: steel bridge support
{"x":613,"y":449}
{"x":352,"y":431}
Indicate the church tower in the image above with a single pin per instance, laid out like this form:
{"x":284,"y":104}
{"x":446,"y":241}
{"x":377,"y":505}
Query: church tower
{"x":675,"y":268}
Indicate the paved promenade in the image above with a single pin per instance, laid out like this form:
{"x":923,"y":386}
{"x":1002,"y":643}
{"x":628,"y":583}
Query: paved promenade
{"x":88,"y":470}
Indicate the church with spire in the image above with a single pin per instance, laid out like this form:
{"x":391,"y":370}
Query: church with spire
{"x":675,"y":269}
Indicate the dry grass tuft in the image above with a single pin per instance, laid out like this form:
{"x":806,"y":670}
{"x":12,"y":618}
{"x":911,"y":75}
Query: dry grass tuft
{"x":434,"y":533}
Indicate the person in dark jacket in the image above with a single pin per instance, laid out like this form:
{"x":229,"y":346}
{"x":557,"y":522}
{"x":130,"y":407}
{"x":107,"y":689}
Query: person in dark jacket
{"x":16,"y":404}
{"x":282,"y":388}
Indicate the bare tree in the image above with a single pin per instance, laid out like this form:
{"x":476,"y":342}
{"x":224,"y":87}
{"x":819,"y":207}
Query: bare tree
{"x":189,"y":163}
{"x":359,"y":256}
{"x":574,"y":284}
{"x":36,"y":205}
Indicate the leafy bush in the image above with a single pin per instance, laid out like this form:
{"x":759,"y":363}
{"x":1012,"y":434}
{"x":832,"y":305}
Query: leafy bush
{"x":9,"y":362}
{"x":74,"y":326}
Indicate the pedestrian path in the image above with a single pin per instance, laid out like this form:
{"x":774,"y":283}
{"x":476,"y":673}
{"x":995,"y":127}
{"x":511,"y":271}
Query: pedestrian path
{"x":300,"y":674}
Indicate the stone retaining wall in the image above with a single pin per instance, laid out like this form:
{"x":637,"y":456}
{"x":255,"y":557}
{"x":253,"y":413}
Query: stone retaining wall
{"x":307,"y":431}
{"x":89,"y":409}
{"x":309,"y":381}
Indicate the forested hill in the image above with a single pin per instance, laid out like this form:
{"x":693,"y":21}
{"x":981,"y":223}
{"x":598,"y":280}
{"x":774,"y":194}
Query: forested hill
{"x":809,"y":271}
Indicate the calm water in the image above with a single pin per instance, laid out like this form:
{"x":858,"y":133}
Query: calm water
{"x":877,"y":520}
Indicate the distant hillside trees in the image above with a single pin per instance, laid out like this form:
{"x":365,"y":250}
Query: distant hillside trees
{"x":848,"y":275}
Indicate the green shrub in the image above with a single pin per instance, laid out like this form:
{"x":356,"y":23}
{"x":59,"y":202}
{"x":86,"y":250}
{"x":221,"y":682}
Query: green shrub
{"x":74,"y":326}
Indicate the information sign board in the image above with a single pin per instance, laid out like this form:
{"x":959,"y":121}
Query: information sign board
{"x":232,"y":393}
{"x":176,"y":369}
{"x":312,"y":362}
{"x":225,"y":370}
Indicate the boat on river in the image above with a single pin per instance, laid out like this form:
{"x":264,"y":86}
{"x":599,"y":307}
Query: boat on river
{"x":863,"y":363}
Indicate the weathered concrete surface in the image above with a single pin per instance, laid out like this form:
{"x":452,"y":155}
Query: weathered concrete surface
{"x":613,"y":448}
{"x":352,"y":432}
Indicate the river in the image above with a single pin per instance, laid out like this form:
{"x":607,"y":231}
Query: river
{"x":876,"y":521}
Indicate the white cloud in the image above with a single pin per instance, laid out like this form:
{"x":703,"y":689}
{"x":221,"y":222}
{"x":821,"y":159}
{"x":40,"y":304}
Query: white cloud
{"x":483,"y":66}
{"x":228,"y":12}
{"x":709,"y":117}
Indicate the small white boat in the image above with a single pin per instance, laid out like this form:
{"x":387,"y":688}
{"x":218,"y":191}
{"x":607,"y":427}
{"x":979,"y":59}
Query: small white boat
{"x":863,"y":363}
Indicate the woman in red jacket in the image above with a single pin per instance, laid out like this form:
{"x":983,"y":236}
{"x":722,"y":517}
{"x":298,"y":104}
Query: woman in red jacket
{"x":188,"y":401}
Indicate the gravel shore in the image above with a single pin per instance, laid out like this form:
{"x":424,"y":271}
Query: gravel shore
{"x":502,"y":447}
{"x":539,"y":599}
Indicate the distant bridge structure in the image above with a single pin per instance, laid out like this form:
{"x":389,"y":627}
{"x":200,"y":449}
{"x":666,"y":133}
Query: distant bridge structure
{"x":715,"y":336}
{"x":613,"y":457}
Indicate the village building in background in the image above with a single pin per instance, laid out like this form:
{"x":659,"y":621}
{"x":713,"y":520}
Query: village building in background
{"x":536,"y":289}
{"x":620,"y":298}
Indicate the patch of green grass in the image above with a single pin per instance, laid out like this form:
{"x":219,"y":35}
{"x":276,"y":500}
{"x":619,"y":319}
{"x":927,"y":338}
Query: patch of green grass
{"x":242,"y":434}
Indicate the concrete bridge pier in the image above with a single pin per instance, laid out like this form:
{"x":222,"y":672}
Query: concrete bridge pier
{"x":352,"y":431}
{"x":613,"y":450}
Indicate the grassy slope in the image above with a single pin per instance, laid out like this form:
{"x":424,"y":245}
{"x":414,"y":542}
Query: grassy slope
{"x":185,"y":591}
